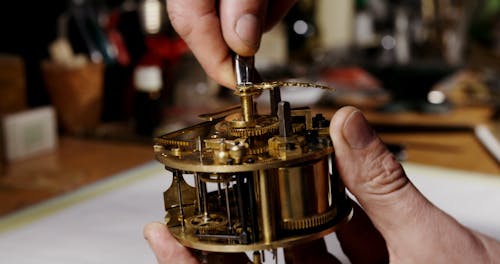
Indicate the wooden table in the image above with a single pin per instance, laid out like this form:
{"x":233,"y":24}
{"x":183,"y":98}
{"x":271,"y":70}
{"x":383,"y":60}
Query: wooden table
{"x":445,"y":139}
{"x":456,"y":150}
{"x":75,"y":163}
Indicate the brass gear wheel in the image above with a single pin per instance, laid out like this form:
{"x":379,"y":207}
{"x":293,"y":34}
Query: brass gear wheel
{"x":211,"y":223}
{"x":173,"y":142}
{"x":268,"y":125}
{"x":308,"y":222}
{"x":253,"y":131}
{"x":262,"y":125}
{"x":258,"y":150}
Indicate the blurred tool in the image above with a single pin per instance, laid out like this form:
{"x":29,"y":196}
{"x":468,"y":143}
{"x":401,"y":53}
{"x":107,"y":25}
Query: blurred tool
{"x":463,"y":88}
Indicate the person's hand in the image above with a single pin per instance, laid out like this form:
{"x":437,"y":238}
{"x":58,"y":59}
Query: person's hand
{"x":414,"y":230}
{"x":212,"y":32}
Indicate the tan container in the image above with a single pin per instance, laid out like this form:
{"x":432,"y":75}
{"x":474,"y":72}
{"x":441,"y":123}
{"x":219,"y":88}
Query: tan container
{"x":76,"y":93}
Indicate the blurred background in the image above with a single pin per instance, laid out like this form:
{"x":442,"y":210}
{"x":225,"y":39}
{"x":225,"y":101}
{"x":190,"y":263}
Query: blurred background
{"x":426,"y":56}
{"x":105,"y":76}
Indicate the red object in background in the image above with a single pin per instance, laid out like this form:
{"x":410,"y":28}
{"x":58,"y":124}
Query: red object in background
{"x":355,"y":86}
{"x":160,"y":48}
{"x":163,"y":53}
{"x":163,"y":48}
{"x":121,"y":52}
{"x":352,"y":78}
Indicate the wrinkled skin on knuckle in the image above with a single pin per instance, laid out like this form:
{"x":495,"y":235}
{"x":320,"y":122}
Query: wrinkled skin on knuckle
{"x":178,"y":19}
{"x":387,"y":175}
{"x":184,"y":21}
{"x":373,"y":171}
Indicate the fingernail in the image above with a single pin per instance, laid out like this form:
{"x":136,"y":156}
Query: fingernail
{"x":357,"y":132}
{"x":248,"y":30}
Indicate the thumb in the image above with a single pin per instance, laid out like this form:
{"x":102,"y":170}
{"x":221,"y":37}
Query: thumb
{"x":369,"y":170}
{"x":242,"y":24}
{"x":165,"y":246}
{"x":373,"y":175}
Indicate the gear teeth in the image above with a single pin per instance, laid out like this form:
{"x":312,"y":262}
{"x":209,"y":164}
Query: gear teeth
{"x":258,"y":150}
{"x":253,"y":131}
{"x":308,"y":222}
{"x":173,"y":142}
{"x":266,"y":124}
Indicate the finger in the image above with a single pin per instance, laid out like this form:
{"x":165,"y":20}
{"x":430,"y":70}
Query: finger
{"x":359,"y":235}
{"x":242,"y":23}
{"x":197,"y":22}
{"x":165,"y":246}
{"x":309,"y":252}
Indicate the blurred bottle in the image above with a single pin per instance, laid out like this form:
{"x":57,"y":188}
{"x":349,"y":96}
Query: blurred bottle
{"x":154,"y":74}
{"x":402,"y":36}
{"x":148,"y":84}
{"x":302,"y":31}
{"x":364,"y":26}
{"x":335,"y":24}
